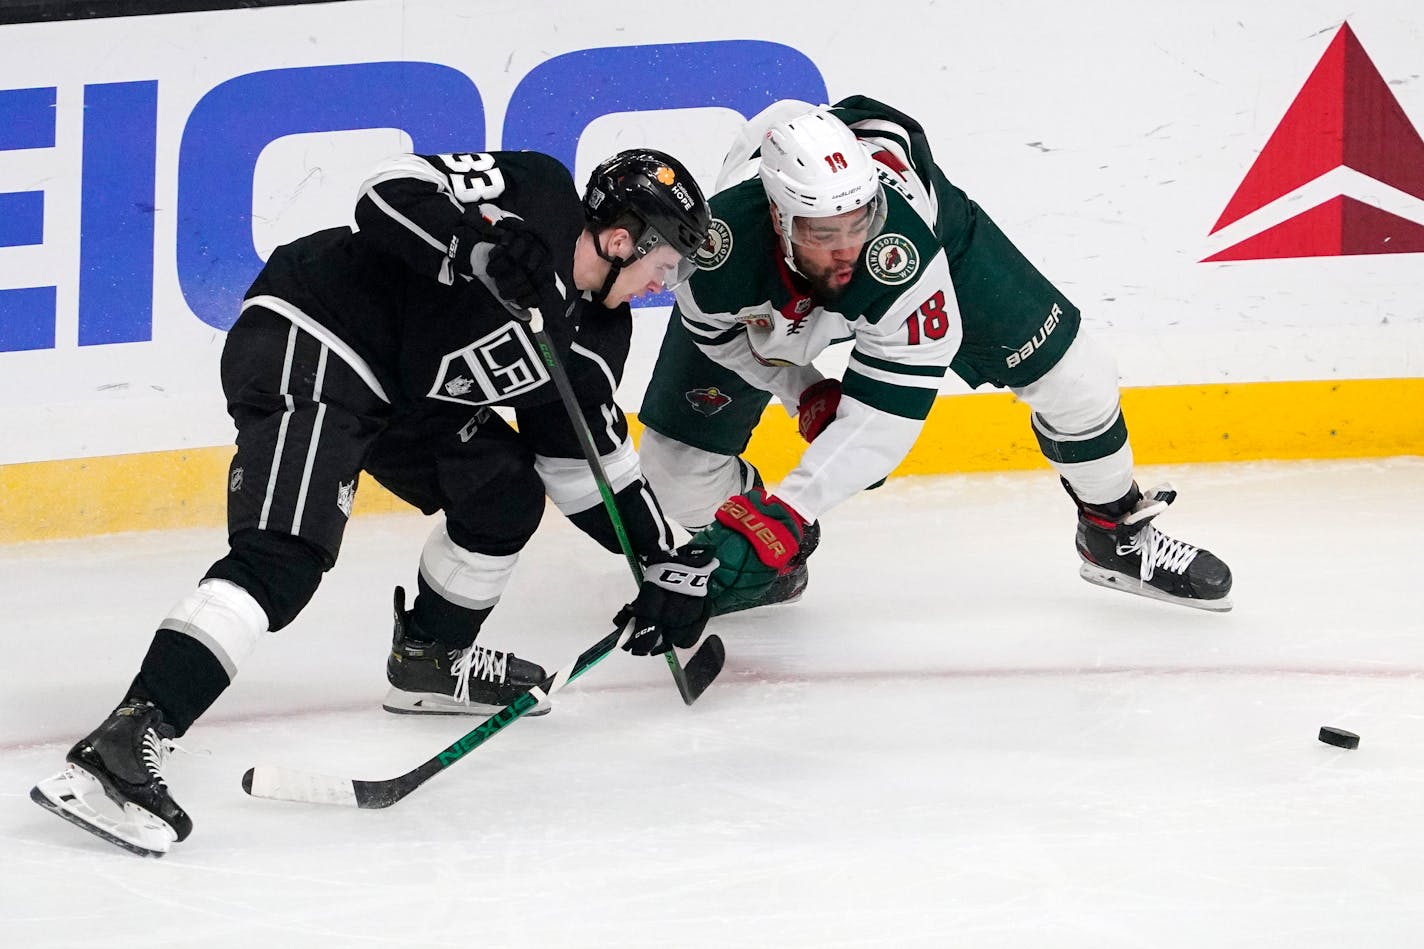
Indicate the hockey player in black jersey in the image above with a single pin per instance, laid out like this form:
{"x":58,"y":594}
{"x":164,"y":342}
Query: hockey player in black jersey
{"x":383,"y":349}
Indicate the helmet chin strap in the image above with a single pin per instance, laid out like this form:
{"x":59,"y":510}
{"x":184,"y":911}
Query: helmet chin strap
{"x":615,"y":267}
{"x":790,"y":257}
{"x":784,"y":224}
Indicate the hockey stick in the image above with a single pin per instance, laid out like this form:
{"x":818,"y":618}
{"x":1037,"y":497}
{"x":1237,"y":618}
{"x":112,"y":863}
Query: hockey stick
{"x":710,"y":655}
{"x":283,"y":784}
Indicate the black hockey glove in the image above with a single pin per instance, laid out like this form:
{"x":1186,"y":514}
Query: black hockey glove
{"x":520,"y":264}
{"x":672,"y":607}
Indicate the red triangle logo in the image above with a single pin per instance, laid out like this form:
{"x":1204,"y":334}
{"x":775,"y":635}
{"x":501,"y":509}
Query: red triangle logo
{"x":1340,"y":227}
{"x":1345,"y":114}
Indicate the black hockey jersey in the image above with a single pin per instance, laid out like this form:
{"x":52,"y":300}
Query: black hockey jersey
{"x":404,"y":299}
{"x":403,"y":292}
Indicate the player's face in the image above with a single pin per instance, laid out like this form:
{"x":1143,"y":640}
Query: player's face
{"x":825,"y":249}
{"x":648,"y":274}
{"x":828,"y":271}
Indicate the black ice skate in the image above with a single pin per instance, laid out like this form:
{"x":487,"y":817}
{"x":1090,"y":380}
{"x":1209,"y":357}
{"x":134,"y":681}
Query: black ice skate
{"x":122,"y":761}
{"x":791,"y":583}
{"x":1128,"y":553}
{"x":430,"y":678}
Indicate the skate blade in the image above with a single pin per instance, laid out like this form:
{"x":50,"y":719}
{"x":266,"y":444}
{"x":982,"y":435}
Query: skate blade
{"x":435,"y":703}
{"x":1115,"y":581}
{"x":69,"y":793}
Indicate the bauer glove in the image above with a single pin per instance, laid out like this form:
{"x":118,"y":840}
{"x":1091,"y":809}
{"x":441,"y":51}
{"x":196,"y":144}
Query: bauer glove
{"x":817,"y":408}
{"x":672,"y":606}
{"x":754,"y":537}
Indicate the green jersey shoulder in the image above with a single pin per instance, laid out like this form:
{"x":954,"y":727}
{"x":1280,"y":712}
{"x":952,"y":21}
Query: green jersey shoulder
{"x":738,"y":258}
{"x":741,"y":266}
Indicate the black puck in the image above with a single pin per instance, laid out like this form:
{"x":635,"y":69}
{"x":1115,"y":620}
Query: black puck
{"x":1339,"y":737}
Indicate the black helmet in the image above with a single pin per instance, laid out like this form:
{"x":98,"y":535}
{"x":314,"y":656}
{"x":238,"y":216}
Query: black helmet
{"x":651,"y":194}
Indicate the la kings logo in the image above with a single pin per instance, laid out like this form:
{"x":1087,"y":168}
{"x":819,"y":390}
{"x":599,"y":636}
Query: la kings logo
{"x":497,"y":366}
{"x":346,"y":496}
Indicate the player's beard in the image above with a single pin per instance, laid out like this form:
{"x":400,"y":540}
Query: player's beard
{"x":823,"y":287}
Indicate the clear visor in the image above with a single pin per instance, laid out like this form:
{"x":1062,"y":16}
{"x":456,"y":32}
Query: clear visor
{"x":850,"y":229}
{"x":664,"y":264}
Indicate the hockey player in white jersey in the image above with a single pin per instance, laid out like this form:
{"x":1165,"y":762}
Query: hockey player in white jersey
{"x":835,"y":224}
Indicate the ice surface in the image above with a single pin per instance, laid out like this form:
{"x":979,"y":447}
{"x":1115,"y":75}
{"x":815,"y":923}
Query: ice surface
{"x":951,"y":741}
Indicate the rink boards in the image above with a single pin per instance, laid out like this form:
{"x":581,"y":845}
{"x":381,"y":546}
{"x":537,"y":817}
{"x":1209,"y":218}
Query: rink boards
{"x":1250,"y":249}
{"x":981,"y":432}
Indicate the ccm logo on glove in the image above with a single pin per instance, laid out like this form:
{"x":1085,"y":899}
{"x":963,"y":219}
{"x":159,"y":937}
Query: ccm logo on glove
{"x":685,"y":582}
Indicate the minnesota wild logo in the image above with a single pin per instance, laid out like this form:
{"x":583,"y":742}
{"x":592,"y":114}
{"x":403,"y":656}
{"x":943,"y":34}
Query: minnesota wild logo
{"x":716,"y":249}
{"x":892,"y":259}
{"x":708,"y":401}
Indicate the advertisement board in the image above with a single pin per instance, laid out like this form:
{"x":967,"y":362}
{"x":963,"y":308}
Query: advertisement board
{"x":1231,"y":197}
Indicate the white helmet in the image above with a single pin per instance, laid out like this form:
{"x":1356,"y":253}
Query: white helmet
{"x":813,"y":166}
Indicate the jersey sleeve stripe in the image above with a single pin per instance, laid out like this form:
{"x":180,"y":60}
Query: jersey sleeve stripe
{"x":598,"y":361}
{"x":867,"y":362}
{"x":906,"y":402}
{"x":406,"y":222}
{"x":711,"y":335}
{"x":886,"y":134}
{"x":408,"y":167}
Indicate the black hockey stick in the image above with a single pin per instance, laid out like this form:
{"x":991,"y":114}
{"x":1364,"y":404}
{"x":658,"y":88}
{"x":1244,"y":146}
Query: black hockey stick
{"x":284,"y":784}
{"x":710,"y":655}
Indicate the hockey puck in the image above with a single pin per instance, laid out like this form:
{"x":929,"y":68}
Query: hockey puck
{"x":1339,"y":737}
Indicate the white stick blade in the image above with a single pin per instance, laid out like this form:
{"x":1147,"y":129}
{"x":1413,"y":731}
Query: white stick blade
{"x":283,"y":784}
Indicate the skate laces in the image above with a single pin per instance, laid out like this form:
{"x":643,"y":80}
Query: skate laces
{"x":155,"y":751}
{"x":1157,"y":550}
{"x":488,"y":664}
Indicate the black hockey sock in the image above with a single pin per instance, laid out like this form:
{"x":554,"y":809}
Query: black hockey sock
{"x":181,"y":677}
{"x":436,"y":619}
{"x":1113,"y":510}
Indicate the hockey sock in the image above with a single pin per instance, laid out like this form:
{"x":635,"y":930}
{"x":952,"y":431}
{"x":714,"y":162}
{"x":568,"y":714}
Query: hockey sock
{"x":434,"y":618}
{"x":181,"y":676}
